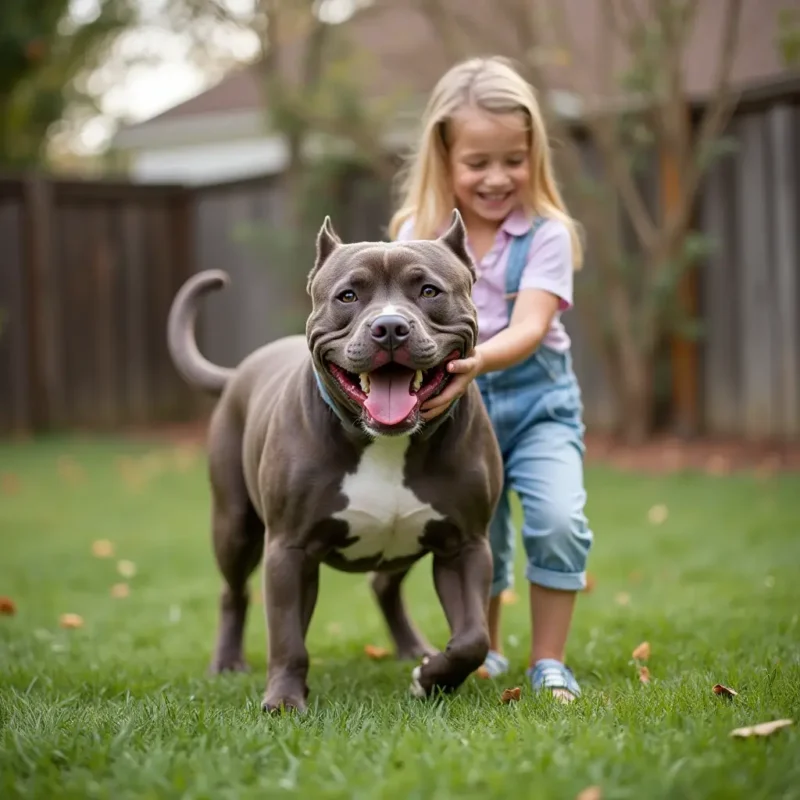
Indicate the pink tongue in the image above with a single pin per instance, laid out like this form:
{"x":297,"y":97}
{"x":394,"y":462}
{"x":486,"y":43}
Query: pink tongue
{"x":390,"y":400}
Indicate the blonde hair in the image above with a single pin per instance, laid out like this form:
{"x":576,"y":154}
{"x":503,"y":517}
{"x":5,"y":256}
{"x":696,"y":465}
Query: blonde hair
{"x":493,"y":85}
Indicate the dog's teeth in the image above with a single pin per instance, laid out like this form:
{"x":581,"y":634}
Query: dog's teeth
{"x":364,"y":380}
{"x":417,"y":380}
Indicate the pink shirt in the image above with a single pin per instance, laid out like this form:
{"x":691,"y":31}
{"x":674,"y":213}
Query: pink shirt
{"x":549,"y":267}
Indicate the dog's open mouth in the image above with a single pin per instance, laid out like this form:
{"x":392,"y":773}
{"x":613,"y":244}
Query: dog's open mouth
{"x":393,"y":393}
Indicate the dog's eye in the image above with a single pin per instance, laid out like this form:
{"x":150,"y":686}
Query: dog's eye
{"x":347,"y":296}
{"x":429,"y":291}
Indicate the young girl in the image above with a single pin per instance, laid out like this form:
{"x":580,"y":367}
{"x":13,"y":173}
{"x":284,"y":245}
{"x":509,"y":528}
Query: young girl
{"x":484,"y":150}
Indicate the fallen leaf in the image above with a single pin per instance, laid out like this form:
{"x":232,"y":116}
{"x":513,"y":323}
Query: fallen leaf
{"x":642,"y":652}
{"x":724,"y":690}
{"x":126,"y":568}
{"x":672,"y":458}
{"x":622,"y":598}
{"x":185,"y":456}
{"x":71,"y":621}
{"x":590,"y":583}
{"x":511,"y":695}
{"x":508,"y":597}
{"x":482,"y":672}
{"x":70,"y":470}
{"x":376,"y":653}
{"x":589,"y":793}
{"x":644,"y":675}
{"x":9,"y":483}
{"x":762,"y":729}
{"x":130,"y":472}
{"x":769,"y":467}
{"x":7,"y":607}
{"x":657,"y":514}
{"x":120,"y":590}
{"x":102,"y":548}
{"x":718,"y":465}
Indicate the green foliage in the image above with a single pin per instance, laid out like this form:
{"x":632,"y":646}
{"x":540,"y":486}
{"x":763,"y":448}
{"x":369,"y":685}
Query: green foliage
{"x":788,"y":37}
{"x":45,"y":51}
{"x":715,"y":150}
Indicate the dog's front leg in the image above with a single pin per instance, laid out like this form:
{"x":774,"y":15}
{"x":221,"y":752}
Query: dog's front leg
{"x":462,"y":583}
{"x":291,"y":581}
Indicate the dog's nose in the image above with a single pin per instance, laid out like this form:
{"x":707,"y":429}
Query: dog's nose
{"x":390,"y":330}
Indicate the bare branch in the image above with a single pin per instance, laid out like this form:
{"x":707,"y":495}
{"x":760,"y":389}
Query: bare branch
{"x":443,"y":25}
{"x":601,"y":123}
{"x":635,"y":19}
{"x":715,"y":117}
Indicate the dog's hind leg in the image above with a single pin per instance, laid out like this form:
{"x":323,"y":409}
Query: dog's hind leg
{"x":238,"y":538}
{"x":387,"y":588}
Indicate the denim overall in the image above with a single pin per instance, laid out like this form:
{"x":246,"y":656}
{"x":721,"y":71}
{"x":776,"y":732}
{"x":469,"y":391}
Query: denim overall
{"x":536,"y":410}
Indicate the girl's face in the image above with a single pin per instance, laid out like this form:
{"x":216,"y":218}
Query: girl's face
{"x":489,"y":163}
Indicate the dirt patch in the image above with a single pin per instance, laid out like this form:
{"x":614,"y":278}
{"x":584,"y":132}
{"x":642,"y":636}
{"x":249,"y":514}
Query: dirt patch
{"x":665,"y":454}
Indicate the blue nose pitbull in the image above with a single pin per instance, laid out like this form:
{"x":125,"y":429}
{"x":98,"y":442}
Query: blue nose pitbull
{"x":318,"y":455}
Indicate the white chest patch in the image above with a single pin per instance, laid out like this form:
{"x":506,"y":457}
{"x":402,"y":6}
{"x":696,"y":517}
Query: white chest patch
{"x":385,"y":517}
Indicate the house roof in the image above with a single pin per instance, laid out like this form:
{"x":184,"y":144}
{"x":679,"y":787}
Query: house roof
{"x":400,"y":49}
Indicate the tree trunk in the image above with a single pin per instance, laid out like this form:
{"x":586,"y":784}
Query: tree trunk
{"x":636,"y":400}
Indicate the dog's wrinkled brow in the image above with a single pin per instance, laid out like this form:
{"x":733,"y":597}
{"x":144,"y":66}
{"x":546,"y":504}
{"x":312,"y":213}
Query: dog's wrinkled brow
{"x":357,"y":279}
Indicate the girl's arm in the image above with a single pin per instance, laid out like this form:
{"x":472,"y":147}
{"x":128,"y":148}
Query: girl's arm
{"x":533,"y":312}
{"x":545,"y":288}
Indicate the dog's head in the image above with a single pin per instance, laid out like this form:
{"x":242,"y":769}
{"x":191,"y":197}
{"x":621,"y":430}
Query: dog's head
{"x":386,"y":319}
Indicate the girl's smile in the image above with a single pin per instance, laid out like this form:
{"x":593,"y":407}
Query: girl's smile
{"x":489,"y":163}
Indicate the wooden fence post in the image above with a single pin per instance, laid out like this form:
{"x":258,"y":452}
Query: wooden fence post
{"x":46,"y":386}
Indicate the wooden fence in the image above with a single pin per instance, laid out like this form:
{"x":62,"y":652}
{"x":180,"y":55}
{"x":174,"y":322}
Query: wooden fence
{"x":238,"y":229}
{"x":750,"y":289}
{"x":88,"y":270}
{"x":87,"y":273}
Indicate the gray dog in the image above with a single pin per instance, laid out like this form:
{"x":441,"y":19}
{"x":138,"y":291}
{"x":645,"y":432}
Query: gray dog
{"x":318,"y":454}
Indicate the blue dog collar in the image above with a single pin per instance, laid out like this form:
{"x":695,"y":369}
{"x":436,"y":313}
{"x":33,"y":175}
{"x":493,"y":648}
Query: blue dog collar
{"x":326,"y":396}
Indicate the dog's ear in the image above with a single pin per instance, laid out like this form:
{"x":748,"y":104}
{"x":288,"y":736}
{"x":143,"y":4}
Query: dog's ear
{"x":455,"y":239}
{"x":327,"y":241}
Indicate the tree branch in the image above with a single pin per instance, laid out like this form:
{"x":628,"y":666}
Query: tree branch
{"x":715,"y":117}
{"x":601,"y":123}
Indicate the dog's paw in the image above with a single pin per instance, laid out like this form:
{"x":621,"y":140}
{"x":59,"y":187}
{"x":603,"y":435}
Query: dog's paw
{"x":275,"y":705}
{"x":416,"y":688}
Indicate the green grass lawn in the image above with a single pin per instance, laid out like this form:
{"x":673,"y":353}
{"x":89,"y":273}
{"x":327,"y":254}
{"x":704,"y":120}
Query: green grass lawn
{"x":122,"y":707}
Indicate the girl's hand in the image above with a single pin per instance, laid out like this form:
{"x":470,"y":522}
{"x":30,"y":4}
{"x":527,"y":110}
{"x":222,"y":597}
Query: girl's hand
{"x":465,"y":371}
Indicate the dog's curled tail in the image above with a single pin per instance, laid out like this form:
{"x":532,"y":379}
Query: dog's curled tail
{"x":193,"y":367}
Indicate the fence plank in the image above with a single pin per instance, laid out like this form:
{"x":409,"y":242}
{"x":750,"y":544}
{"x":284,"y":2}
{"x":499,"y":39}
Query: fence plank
{"x":105,"y":317}
{"x":76,"y":324}
{"x":137,"y":374}
{"x":43,"y":306}
{"x":720,"y":364}
{"x":14,"y":352}
{"x":756,"y":291}
{"x":782,"y":121}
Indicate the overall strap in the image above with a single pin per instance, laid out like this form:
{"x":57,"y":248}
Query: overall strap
{"x":517,"y":259}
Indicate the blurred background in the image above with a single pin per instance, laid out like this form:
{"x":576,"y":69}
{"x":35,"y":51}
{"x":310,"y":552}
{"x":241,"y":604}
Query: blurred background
{"x":143,"y":140}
